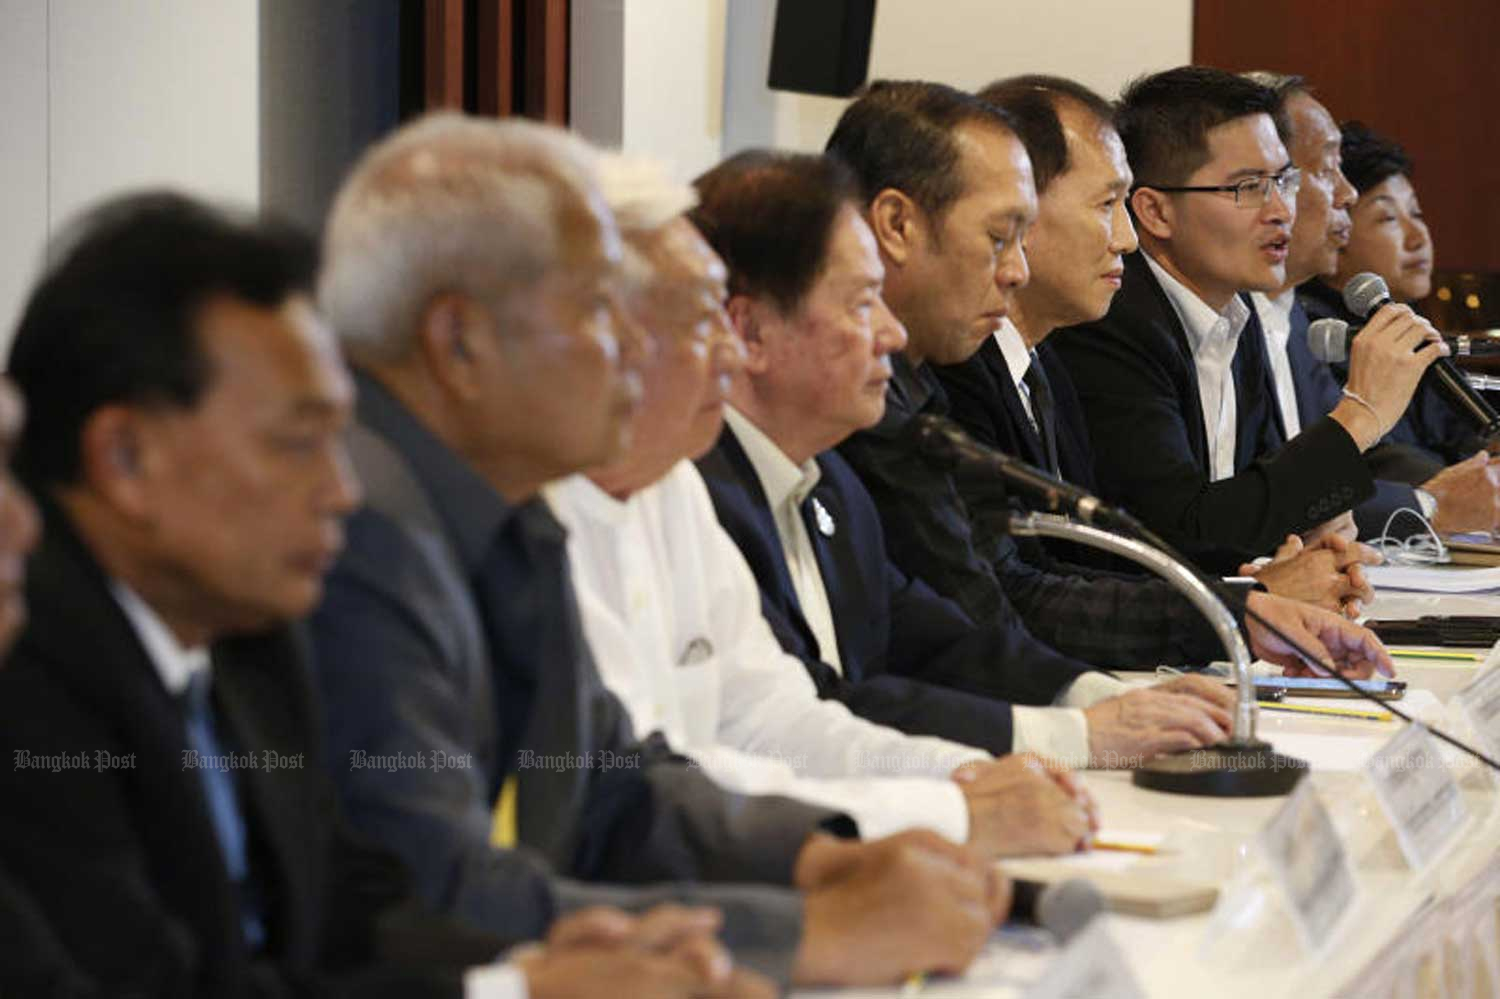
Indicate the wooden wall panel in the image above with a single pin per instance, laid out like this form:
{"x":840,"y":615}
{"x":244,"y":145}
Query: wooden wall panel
{"x":443,"y":54}
{"x":1423,"y":73}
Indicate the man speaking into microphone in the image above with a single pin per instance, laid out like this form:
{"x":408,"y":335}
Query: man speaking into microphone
{"x":1182,"y":420}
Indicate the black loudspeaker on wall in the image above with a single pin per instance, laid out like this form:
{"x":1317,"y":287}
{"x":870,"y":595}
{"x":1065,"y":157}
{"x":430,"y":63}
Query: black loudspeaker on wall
{"x":822,"y":46}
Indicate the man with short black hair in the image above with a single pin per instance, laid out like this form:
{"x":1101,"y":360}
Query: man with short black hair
{"x":1182,"y":422}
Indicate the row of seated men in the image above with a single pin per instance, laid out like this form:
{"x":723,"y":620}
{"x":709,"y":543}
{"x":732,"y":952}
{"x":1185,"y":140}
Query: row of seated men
{"x":540,"y":590}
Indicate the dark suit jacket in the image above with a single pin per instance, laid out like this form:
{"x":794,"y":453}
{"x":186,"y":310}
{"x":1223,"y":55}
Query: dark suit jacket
{"x":121,"y":854}
{"x":1138,"y":385}
{"x":411,"y":668}
{"x":1098,"y":609}
{"x":1318,"y":391}
{"x":901,"y":646}
{"x":35,"y":962}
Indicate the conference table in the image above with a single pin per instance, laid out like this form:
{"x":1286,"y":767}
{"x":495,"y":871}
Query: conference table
{"x":1429,"y":931}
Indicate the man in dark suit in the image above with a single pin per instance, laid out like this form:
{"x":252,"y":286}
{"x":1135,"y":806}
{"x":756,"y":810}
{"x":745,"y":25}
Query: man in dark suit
{"x":488,"y":364}
{"x":1463,"y":497}
{"x":157,"y":719}
{"x":818,"y":340}
{"x":1182,"y":423}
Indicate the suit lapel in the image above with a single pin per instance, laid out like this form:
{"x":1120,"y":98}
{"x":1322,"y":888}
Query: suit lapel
{"x":842,"y":579}
{"x":765,"y":523}
{"x":1030,"y":444}
{"x":1151,"y":301}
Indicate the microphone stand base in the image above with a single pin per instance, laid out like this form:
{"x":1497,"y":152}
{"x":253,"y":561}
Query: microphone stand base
{"x":1223,"y":771}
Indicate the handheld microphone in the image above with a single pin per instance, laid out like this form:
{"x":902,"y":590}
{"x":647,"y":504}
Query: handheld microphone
{"x":1329,"y":340}
{"x":1367,"y":292}
{"x":946,"y":446}
{"x":1063,"y":908}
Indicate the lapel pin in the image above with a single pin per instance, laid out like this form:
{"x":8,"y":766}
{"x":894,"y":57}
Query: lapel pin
{"x":825,"y":521}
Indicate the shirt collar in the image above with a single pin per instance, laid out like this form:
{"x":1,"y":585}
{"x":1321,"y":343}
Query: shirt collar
{"x":1275,"y":313}
{"x":470,"y":508}
{"x":579,"y":494}
{"x":1013,"y":348}
{"x":175,"y":664}
{"x":1198,"y":320}
{"x":780,"y":477}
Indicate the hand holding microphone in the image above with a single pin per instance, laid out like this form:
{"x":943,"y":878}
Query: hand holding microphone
{"x":1386,"y":362}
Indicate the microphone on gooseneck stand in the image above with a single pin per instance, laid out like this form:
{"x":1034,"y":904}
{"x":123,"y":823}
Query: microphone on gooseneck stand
{"x":1363,"y":295}
{"x":944,"y":444}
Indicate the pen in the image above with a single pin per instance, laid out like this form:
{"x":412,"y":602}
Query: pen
{"x":914,"y":984}
{"x":1308,"y":709}
{"x":1466,"y":656}
{"x":1104,"y":844}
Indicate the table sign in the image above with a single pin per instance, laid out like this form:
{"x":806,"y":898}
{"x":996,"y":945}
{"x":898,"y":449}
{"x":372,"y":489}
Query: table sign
{"x":1418,"y":794}
{"x":1091,"y":966}
{"x":1311,"y":865}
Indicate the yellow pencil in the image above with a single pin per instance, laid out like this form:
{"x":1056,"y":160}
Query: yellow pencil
{"x":1308,"y":709}
{"x":1104,"y":844}
{"x":1472,"y":657}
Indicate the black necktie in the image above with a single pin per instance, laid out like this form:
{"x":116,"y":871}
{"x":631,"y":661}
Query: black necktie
{"x":1043,"y":410}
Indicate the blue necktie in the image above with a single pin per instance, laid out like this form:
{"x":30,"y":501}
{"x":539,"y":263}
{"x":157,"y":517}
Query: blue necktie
{"x":219,"y":792}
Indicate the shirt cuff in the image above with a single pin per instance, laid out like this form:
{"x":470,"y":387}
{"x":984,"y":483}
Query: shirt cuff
{"x":1089,"y":689}
{"x":495,"y":981}
{"x":1058,"y":735}
{"x":924,"y":803}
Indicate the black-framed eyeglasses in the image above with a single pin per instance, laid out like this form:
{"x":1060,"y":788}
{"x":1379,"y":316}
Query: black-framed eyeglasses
{"x":1252,"y":192}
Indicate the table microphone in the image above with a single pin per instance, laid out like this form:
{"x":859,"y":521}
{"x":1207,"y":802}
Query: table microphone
{"x":1063,"y":908}
{"x":1329,"y":340}
{"x":945,"y":445}
{"x":1363,"y":295}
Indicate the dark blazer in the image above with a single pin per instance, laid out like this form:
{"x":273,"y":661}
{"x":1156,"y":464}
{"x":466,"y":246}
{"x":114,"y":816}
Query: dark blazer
{"x":35,"y":962}
{"x":412,"y":666}
{"x":983,"y":399}
{"x":1138,"y":385}
{"x":1095,"y":608}
{"x":1318,"y":391}
{"x":121,"y":853}
{"x":901,"y":646}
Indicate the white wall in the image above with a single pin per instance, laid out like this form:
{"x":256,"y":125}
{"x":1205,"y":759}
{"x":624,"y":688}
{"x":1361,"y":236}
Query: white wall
{"x":647,"y":76}
{"x":150,"y":92}
{"x":685,"y":80}
{"x":966,"y":43}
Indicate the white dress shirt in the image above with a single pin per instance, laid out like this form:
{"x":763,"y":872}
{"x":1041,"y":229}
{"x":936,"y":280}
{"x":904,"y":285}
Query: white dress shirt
{"x":672,"y":613}
{"x":787,"y":486}
{"x":1276,"y":318}
{"x":1018,"y":359}
{"x":1059,"y":733}
{"x":1212,"y":337}
{"x":178,"y":665}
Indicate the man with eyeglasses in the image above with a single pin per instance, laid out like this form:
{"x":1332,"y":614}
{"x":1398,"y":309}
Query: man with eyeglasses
{"x":1181,"y":417}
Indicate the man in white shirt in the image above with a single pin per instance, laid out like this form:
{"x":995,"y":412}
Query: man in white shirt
{"x":673,"y":612}
{"x":1461,"y":497}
